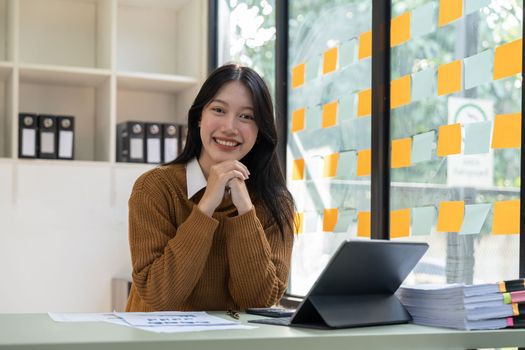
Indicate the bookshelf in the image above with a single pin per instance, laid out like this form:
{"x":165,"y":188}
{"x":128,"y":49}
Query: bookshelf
{"x":102,"y":61}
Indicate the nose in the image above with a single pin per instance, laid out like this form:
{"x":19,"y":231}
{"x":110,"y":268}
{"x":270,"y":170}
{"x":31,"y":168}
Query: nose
{"x":229,"y":125}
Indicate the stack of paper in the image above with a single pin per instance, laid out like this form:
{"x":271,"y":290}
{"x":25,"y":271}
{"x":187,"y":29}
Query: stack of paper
{"x":159,"y":322}
{"x":483,"y":306}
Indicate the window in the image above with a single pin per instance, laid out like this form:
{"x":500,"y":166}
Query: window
{"x":455,"y":135}
{"x":247,"y":35}
{"x":329,"y":124}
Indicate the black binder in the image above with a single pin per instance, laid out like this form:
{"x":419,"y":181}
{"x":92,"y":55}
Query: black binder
{"x":183,"y":136}
{"x":47,"y":136}
{"x":357,"y":287}
{"x":27,"y":135}
{"x":153,"y":143}
{"x":170,"y":142}
{"x":66,"y":137}
{"x":130,"y":142}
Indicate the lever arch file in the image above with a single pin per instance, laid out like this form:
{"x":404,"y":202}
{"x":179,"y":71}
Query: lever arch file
{"x":183,"y":136}
{"x":27,"y":135}
{"x":66,"y":137}
{"x":170,"y":144}
{"x":130,"y":142}
{"x":47,"y":135}
{"x":153,"y":143}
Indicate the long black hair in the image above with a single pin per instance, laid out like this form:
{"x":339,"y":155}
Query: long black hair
{"x":266,"y":181}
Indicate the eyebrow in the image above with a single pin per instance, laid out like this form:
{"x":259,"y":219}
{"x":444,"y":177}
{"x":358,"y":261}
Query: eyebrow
{"x":226,"y":103}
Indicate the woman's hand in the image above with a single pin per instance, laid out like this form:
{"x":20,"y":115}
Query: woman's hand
{"x":240,"y":196}
{"x":218,"y":179}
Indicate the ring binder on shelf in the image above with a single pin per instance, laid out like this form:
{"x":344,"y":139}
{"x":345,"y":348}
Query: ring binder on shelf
{"x":130,"y":142}
{"x":27,"y":135}
{"x":47,"y":134}
{"x":66,"y":137}
{"x":183,"y":137}
{"x":170,"y":144}
{"x":153,"y":143}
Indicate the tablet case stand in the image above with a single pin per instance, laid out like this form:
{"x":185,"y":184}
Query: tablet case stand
{"x":350,"y":311}
{"x":357,"y":286}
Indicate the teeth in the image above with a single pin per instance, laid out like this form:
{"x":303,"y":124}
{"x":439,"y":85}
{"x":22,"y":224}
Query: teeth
{"x":226,"y":143}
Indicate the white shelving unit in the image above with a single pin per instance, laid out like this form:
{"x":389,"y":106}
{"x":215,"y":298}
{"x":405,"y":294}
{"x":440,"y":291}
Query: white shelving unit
{"x":102,"y":61}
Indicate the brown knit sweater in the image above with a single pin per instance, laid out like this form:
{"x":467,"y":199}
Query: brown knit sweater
{"x":185,"y":260}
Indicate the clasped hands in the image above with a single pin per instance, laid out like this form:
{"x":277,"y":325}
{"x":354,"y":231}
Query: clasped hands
{"x":226,"y":178}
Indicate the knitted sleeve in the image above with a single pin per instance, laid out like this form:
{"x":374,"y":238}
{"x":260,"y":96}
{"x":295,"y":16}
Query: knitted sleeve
{"x":259,"y":260}
{"x":167,"y":260}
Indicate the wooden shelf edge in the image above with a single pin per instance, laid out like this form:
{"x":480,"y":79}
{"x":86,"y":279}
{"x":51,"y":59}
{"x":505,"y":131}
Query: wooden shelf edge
{"x":5,"y":69}
{"x":167,"y":4}
{"x":85,"y":163}
{"x":6,"y":64}
{"x":154,"y":81}
{"x":40,"y":73}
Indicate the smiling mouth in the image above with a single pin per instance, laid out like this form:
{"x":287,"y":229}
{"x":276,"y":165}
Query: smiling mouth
{"x":226,"y":143}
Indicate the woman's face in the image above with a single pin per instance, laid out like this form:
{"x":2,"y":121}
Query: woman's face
{"x":227,"y":128}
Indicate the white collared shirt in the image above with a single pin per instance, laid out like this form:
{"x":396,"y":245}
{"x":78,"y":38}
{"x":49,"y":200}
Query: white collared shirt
{"x":195,"y":179}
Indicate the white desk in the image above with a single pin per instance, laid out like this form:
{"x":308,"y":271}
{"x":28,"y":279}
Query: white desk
{"x":38,"y":331}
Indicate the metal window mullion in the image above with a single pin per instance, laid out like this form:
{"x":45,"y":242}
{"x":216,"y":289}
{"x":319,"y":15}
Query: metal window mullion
{"x":281,"y":79}
{"x":522,"y":177}
{"x":213,"y":37}
{"x":380,"y":178}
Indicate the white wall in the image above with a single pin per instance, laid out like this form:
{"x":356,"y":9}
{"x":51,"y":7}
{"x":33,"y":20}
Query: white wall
{"x":63,"y":234}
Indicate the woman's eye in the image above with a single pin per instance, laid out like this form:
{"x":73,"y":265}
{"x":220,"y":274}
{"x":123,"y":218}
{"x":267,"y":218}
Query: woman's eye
{"x":246,"y":117}
{"x":218,"y":109}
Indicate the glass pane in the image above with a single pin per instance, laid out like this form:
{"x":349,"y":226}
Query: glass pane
{"x":247,"y":35}
{"x":456,"y":135}
{"x":329,"y":127}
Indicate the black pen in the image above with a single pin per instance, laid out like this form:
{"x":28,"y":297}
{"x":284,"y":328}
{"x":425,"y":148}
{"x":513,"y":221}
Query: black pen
{"x":233,"y":314}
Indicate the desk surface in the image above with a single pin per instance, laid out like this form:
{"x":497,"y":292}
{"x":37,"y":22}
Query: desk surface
{"x":38,"y":331}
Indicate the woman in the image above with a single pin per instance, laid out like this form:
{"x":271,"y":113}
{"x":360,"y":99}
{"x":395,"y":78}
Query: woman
{"x":213,"y":229}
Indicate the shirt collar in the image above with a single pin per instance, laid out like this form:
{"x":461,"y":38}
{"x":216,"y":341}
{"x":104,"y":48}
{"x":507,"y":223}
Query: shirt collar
{"x":195,"y":179}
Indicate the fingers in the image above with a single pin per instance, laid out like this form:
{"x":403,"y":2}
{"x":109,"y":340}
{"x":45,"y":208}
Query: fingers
{"x":246,"y":171}
{"x":231,"y":165}
{"x":234,"y":181}
{"x":234,"y":174}
{"x":238,"y":166}
{"x":239,"y":194}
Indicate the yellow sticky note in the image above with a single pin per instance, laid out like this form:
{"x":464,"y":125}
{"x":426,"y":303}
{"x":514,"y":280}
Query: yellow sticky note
{"x":330,"y":219}
{"x":400,"y":29}
{"x":449,"y":140}
{"x":365,"y":45}
{"x":298,"y":75}
{"x":364,"y":103}
{"x":330,"y":114}
{"x":298,"y":223}
{"x":364,"y":162}
{"x":506,"y":218}
{"x":298,"y":120}
{"x":298,"y":169}
{"x":400,"y":223}
{"x":401,"y":152}
{"x":400,"y":92}
{"x":449,"y":78}
{"x":450,"y":216}
{"x":330,"y":165}
{"x":363,"y":224}
{"x":330,"y":60}
{"x":507,"y":59}
{"x":507,"y":131}
{"x":449,"y":11}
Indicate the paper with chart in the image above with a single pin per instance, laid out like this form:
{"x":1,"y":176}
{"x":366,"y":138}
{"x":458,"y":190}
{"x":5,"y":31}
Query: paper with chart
{"x":158,"y":322}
